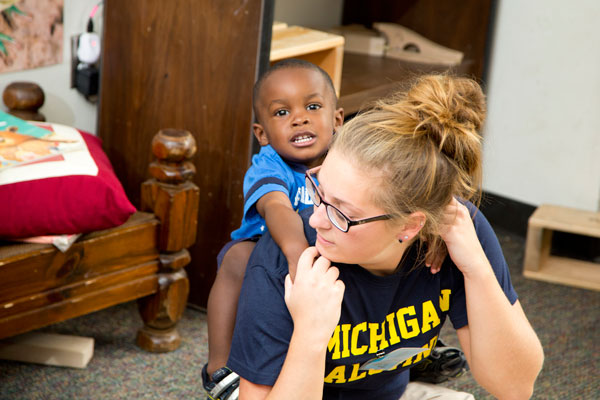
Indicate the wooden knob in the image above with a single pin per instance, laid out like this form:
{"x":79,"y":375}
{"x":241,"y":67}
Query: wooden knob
{"x":23,"y":96}
{"x":171,"y":172}
{"x":173,"y":148}
{"x":173,"y":145}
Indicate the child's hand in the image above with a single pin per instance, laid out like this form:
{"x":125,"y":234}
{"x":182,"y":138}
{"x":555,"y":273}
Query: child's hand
{"x":292,"y":266}
{"x":295,"y":252}
{"x":434,"y":261}
{"x":314,"y":298}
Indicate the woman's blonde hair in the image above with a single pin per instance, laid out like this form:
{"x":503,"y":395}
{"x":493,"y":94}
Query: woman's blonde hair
{"x":426,"y":144}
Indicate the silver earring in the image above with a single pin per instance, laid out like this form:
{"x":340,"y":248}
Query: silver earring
{"x":405,"y":237}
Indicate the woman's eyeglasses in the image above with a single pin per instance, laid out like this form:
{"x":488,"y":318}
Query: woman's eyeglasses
{"x":337,"y":218}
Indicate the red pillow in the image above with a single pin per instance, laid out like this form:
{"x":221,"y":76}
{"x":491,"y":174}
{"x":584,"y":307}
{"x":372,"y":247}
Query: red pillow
{"x":65,"y":204}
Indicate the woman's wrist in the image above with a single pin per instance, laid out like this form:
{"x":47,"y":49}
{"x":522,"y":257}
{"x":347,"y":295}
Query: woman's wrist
{"x":310,"y":340}
{"x":478,"y":270}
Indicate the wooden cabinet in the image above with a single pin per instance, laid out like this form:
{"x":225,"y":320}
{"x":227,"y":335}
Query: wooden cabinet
{"x":187,"y":64}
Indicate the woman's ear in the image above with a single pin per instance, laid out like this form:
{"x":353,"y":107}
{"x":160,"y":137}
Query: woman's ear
{"x":414,"y":223}
{"x":260,"y":134}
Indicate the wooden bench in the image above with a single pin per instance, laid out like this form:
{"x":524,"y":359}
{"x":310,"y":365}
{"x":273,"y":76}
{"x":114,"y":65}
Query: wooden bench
{"x":141,"y":259}
{"x":540,"y":264}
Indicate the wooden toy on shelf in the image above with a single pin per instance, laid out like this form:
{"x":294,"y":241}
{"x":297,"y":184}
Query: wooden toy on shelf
{"x":408,"y":45}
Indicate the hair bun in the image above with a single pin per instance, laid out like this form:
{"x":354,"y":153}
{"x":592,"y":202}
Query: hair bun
{"x":450,"y":112}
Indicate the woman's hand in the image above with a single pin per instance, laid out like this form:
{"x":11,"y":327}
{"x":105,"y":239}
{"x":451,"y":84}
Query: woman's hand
{"x":314,"y":299}
{"x":458,"y":232}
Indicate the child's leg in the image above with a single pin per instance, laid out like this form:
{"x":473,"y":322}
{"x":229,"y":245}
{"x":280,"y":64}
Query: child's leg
{"x":222,"y":303}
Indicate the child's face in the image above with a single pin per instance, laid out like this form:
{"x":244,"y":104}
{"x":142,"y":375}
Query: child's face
{"x":297,"y":115}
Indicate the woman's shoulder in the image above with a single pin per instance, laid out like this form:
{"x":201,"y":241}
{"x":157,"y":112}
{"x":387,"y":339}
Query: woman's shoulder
{"x":267,"y":254}
{"x":481,"y":223}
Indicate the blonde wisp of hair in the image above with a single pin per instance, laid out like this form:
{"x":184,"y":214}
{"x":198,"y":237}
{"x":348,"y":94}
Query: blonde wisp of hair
{"x":425,"y":143}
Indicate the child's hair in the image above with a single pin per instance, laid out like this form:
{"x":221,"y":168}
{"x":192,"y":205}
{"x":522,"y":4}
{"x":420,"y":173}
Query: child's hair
{"x":290,"y":63}
{"x":426,"y":144}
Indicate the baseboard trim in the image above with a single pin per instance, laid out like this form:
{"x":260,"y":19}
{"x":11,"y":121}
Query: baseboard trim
{"x":509,"y":214}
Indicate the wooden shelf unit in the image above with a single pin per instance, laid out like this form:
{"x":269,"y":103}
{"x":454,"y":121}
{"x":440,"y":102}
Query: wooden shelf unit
{"x":540,"y":264}
{"x":321,"y":48}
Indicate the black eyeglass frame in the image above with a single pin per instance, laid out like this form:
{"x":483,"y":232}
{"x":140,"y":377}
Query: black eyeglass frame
{"x":317,"y":195}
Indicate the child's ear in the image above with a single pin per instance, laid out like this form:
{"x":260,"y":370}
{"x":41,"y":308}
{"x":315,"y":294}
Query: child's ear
{"x":260,"y":134}
{"x":338,"y":118}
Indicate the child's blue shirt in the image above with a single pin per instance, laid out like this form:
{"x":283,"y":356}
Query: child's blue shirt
{"x":269,"y":173}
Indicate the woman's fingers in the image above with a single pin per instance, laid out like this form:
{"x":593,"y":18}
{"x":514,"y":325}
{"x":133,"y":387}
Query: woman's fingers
{"x":305,"y":262}
{"x":314,"y":274}
{"x":311,"y":263}
{"x":321,"y":265}
{"x":332,"y":273}
{"x":288,"y":288}
{"x":315,"y":296}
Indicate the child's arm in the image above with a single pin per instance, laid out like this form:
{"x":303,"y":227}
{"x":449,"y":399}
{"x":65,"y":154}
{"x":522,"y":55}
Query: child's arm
{"x":285,"y":226}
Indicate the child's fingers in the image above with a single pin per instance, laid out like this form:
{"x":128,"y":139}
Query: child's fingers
{"x":292,"y":270}
{"x":435,"y":261}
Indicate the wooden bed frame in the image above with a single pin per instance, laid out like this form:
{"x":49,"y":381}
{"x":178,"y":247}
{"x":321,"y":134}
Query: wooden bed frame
{"x":142,"y":259}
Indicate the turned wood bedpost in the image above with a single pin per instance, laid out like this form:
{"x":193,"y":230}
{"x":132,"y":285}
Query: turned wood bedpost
{"x":24,"y":99}
{"x":173,"y":198}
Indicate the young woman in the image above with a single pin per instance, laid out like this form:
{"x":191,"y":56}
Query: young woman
{"x":362,"y":309}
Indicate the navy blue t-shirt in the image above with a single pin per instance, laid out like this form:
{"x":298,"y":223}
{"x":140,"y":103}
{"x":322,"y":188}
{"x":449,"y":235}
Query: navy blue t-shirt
{"x":379,"y":315}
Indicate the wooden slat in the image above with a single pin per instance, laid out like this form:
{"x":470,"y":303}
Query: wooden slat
{"x":26,"y":303}
{"x":76,"y":306}
{"x":49,"y":349}
{"x":30,"y":273}
{"x":568,"y":271}
{"x":567,"y":219}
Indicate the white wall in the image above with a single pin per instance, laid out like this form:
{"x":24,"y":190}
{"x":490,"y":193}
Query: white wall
{"x":542,"y":137}
{"x":316,"y":14}
{"x":63,"y":104}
